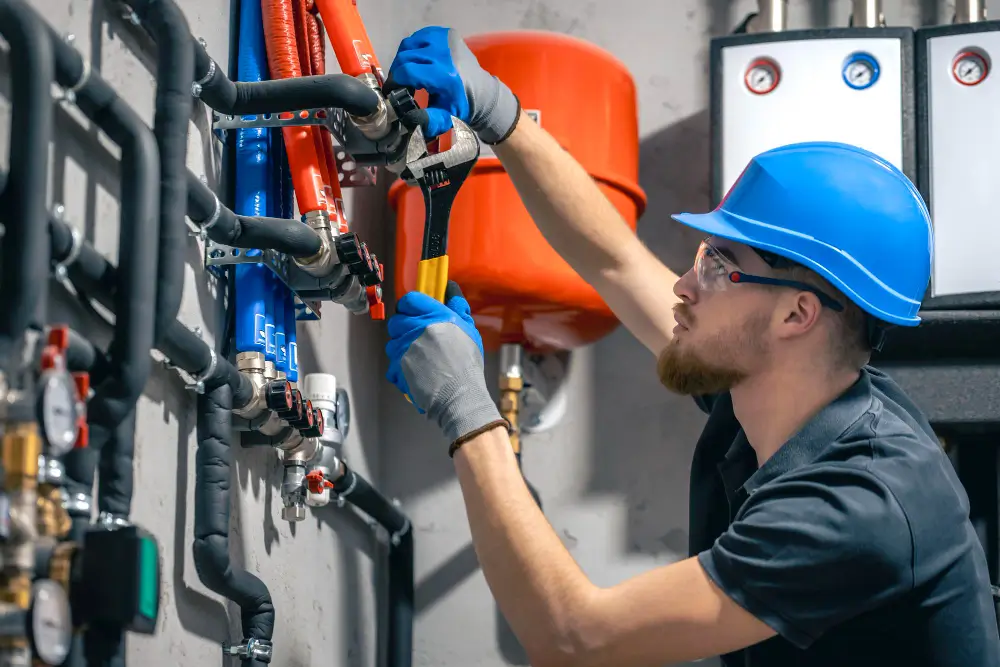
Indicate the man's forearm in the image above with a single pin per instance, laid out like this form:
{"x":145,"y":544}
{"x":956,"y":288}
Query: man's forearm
{"x":587,"y":231}
{"x":539,"y":587}
{"x":566,"y":204}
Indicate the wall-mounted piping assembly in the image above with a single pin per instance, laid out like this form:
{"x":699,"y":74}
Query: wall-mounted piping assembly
{"x":22,"y":285}
{"x":109,"y":573}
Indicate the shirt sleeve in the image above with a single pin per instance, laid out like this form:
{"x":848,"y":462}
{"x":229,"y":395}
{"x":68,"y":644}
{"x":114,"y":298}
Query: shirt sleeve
{"x":814,"y":550}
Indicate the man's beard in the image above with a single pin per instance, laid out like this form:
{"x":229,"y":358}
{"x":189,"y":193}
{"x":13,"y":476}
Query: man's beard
{"x":690,"y":373}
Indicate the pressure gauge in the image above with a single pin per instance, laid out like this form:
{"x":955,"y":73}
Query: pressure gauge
{"x":970,"y":68}
{"x":50,"y":623}
{"x":57,"y":407}
{"x":762,"y":76}
{"x":861,"y":70}
{"x":343,"y":411}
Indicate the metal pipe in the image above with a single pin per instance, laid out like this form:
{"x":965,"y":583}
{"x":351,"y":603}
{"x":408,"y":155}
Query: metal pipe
{"x":867,"y":14}
{"x":511,"y":385}
{"x":772,"y":16}
{"x":969,"y":11}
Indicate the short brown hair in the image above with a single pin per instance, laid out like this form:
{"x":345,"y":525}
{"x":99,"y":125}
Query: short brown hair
{"x":850,"y":339}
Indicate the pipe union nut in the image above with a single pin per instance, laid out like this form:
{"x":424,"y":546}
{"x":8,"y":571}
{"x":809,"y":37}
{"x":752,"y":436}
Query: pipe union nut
{"x":294,"y":513}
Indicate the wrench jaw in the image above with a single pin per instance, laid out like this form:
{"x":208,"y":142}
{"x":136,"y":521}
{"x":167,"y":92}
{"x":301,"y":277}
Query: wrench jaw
{"x":458,"y":160}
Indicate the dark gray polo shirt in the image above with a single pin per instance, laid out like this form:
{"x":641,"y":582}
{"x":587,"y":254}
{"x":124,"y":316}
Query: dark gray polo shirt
{"x":853,"y":541}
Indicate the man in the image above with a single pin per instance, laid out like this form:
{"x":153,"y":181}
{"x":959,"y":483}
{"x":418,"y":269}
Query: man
{"x":827,"y":527}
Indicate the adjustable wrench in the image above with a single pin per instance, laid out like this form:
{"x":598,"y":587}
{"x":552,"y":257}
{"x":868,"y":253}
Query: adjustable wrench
{"x":439,"y":177}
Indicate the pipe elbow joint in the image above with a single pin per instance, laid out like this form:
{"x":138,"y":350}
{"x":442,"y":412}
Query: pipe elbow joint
{"x":326,"y":261}
{"x":251,"y":365}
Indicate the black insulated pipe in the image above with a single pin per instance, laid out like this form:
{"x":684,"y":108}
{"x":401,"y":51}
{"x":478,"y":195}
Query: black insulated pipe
{"x":172,"y":113}
{"x":223,"y":226}
{"x":339,"y":91}
{"x":174,"y":76}
{"x":25,"y":254}
{"x":93,"y":273}
{"x":134,"y":284}
{"x":356,"y":490}
{"x":213,"y":476}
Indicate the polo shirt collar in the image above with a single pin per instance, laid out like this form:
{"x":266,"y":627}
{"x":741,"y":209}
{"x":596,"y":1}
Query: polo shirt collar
{"x":820,"y":432}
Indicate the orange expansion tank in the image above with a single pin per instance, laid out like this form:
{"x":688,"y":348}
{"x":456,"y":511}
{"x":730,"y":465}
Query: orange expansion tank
{"x":519,"y":289}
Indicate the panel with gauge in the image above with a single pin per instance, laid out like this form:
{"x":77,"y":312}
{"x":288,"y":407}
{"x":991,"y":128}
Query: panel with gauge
{"x":839,"y":84}
{"x":958,"y":98}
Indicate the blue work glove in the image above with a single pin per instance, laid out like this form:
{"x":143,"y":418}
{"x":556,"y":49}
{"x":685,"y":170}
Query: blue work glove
{"x":437,"y":60}
{"x":436,"y":358}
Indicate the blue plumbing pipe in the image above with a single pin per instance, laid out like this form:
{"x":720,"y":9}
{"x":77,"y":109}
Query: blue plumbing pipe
{"x":283,"y":201}
{"x":292,"y":374}
{"x":279,"y":295}
{"x":253,"y":186}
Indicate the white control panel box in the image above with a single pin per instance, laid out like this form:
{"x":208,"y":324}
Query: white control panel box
{"x":853,"y":85}
{"x":958,"y":159}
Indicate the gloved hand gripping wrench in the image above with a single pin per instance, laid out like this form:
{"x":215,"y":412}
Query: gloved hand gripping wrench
{"x":439,"y":177}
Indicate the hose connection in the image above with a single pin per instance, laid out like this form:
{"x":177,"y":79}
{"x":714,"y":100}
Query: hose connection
{"x":324,"y":262}
{"x":376,"y":125}
{"x":249,"y":649}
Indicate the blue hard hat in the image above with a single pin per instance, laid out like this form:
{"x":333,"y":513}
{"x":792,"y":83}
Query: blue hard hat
{"x":840,"y":210}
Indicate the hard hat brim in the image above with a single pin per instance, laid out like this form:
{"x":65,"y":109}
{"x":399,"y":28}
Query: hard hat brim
{"x":770,"y":239}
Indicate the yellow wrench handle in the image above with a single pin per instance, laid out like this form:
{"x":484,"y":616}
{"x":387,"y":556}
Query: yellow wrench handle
{"x":432,"y":277}
{"x":432,"y":280}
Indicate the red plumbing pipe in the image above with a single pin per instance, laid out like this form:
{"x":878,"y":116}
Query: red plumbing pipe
{"x":349,"y":38}
{"x":300,"y":144}
{"x":317,"y":54}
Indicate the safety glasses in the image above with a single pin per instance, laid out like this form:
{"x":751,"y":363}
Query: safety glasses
{"x":716,"y":271}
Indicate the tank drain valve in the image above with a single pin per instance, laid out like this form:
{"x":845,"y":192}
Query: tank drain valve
{"x":249,"y":649}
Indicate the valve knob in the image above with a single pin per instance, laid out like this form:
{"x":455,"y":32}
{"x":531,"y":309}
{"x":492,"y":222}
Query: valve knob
{"x":372,"y":274}
{"x":348,"y":248}
{"x":278,"y":395}
{"x":306,"y":419}
{"x":316,"y":430}
{"x":316,"y":481}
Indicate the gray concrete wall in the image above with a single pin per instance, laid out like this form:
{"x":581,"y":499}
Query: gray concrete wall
{"x":612,"y":475}
{"x":321,"y":573}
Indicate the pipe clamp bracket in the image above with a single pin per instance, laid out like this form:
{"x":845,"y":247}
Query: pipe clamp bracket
{"x":76,"y":244}
{"x":196,"y":86}
{"x":206,"y":225}
{"x":198,"y":386}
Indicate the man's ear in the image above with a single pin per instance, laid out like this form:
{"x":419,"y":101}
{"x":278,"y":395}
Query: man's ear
{"x":800,"y":313}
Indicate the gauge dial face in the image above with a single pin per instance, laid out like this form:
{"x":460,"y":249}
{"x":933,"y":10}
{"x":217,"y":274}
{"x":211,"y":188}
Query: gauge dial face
{"x":343,"y":411}
{"x":762,"y":76}
{"x":51,"y":622}
{"x":970,"y":68}
{"x":860,"y":71}
{"x":58,"y":407}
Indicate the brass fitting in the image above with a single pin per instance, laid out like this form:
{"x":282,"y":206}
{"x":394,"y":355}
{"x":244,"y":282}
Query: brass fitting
{"x":511,"y":384}
{"x":375,"y":125}
{"x":61,"y":563}
{"x":252,"y":365}
{"x":21,"y":448}
{"x":53,"y":519}
{"x":325,"y":261}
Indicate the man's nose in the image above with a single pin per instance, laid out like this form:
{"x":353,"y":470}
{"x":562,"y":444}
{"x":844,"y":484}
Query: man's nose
{"x":686,"y":287}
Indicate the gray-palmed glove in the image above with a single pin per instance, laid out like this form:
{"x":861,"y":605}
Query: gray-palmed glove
{"x":437,"y":60}
{"x":436,"y":359}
